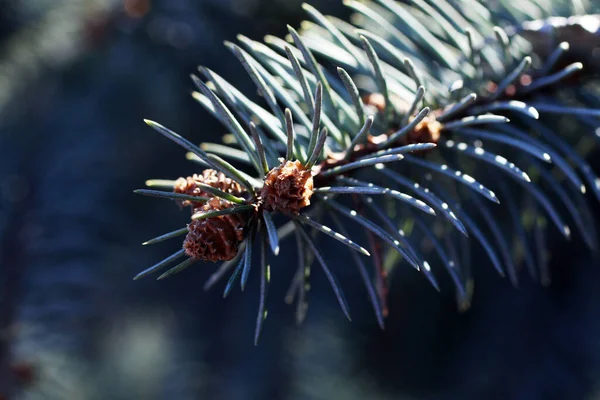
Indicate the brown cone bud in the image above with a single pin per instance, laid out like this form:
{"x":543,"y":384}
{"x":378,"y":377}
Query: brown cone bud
{"x":426,"y":131}
{"x":217,"y":238}
{"x":287,"y":188}
{"x":210,"y":177}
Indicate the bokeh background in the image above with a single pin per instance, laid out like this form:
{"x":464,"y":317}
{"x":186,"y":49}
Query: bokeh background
{"x":76,"y":79}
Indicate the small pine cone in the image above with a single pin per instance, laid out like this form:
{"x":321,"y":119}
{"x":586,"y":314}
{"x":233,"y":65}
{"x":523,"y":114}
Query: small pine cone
{"x":426,"y":131}
{"x":287,"y":188}
{"x":210,"y":177}
{"x":217,"y":238}
{"x":220,"y":181}
{"x":187,"y":186}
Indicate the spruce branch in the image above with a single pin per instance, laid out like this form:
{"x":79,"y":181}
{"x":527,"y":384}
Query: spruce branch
{"x":343,"y":100}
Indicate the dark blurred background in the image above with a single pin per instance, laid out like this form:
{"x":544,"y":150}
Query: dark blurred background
{"x":76,"y":79}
